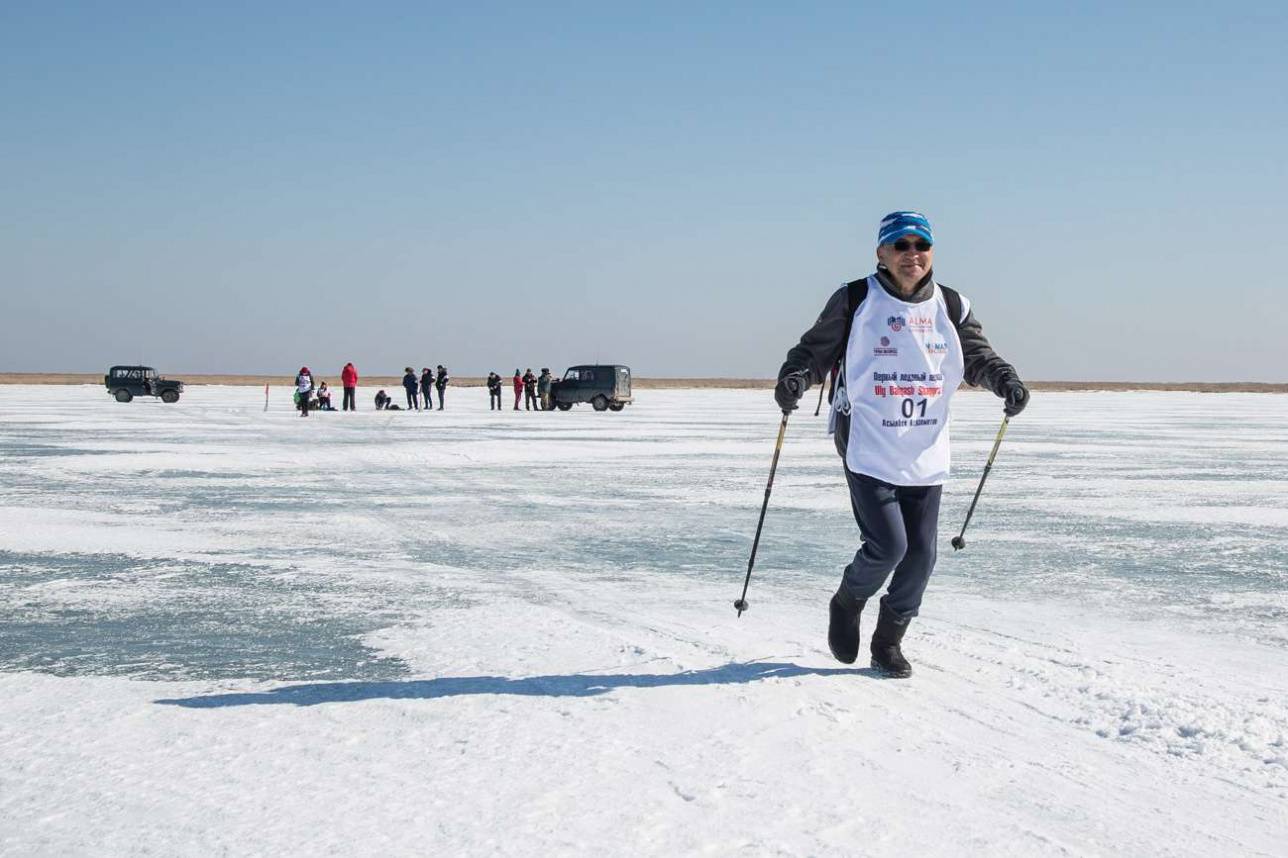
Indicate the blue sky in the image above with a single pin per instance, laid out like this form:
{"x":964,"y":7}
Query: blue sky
{"x":229,"y":188}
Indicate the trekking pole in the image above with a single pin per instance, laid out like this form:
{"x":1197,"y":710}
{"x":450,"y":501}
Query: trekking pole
{"x":958,"y":542}
{"x":741,"y":604}
{"x":819,"y":407}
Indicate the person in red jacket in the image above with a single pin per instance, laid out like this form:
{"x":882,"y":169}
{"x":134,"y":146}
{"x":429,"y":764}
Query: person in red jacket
{"x":518,"y":388}
{"x":349,"y":380}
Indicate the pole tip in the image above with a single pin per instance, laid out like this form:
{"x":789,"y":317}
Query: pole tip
{"x":958,"y":543}
{"x":741,"y":605}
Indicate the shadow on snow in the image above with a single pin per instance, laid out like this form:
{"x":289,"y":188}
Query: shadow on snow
{"x":572,"y":685}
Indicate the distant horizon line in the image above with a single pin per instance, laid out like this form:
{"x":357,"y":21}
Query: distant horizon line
{"x":645,"y":382}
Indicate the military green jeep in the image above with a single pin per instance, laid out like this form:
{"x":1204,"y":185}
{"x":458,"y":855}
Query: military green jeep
{"x":605,"y":387}
{"x":127,"y":382}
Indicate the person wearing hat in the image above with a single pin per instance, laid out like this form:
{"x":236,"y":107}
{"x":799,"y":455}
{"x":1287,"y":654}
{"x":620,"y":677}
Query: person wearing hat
{"x":303,"y":389}
{"x":411,"y":386}
{"x":897,"y":344}
{"x":530,"y":390}
{"x":493,"y":391}
{"x":543,"y":388}
{"x":349,"y":379}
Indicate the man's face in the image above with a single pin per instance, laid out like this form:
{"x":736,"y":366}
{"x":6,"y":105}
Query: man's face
{"x":909,"y":264}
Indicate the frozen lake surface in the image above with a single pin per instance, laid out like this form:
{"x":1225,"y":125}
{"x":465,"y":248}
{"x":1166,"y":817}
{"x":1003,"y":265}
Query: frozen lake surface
{"x":494,"y":632}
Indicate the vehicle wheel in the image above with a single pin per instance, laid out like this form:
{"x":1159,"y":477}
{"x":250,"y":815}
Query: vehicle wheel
{"x":564,"y":406}
{"x":123,"y":395}
{"x":599,"y":403}
{"x":169,"y":396}
{"x":616,"y":406}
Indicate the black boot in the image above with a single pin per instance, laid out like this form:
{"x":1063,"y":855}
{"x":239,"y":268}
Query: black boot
{"x":887,"y":657}
{"x":843,"y":626}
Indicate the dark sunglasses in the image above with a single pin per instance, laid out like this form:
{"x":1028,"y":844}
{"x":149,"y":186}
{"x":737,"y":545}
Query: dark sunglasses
{"x":903,"y":245}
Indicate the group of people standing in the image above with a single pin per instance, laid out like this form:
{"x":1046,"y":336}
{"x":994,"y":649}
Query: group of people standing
{"x":533,"y":389}
{"x":423,"y":387}
{"x":317,"y":397}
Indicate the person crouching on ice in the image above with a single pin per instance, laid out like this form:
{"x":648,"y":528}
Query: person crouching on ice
{"x":901,"y":344}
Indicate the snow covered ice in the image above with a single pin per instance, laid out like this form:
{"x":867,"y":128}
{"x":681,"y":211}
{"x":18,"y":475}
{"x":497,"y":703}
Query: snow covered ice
{"x":230,"y":631}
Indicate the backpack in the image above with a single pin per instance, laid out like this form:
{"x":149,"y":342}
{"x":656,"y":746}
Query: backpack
{"x":855,"y":292}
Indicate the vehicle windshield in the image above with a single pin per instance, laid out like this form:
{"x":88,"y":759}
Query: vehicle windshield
{"x":570,"y":375}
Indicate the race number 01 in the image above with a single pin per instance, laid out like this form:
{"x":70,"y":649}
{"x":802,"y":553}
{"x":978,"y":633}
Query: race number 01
{"x":908,"y":407}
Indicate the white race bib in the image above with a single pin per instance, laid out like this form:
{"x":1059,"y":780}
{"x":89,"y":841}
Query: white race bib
{"x":902,"y":365}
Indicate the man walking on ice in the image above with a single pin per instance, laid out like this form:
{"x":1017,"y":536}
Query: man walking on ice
{"x":900,"y":344}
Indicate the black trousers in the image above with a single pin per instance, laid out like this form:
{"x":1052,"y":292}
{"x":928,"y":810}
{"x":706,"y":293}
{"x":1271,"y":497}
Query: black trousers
{"x":349,"y":399}
{"x":494,"y":400}
{"x":899,"y":525}
{"x":413,"y":401}
{"x":530,"y":399}
{"x":440,"y":399}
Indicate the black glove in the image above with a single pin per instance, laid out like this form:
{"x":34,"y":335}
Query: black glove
{"x":1015,"y":394}
{"x":791,"y":387}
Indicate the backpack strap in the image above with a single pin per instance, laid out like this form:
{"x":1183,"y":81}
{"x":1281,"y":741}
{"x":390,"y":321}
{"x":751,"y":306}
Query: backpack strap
{"x":954,"y":301}
{"x":855,"y":292}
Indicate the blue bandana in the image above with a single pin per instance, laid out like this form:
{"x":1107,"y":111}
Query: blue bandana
{"x":898,"y":224}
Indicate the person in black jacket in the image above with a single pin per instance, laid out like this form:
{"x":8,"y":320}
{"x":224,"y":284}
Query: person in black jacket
{"x":441,"y":384}
{"x":427,"y":387}
{"x":899,"y":344}
{"x":493,"y":391}
{"x":530,"y":390}
{"x":411,"y":385}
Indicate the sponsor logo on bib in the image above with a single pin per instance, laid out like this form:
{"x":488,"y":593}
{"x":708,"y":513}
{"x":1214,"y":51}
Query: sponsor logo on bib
{"x":885,"y":349}
{"x":896,"y":323}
